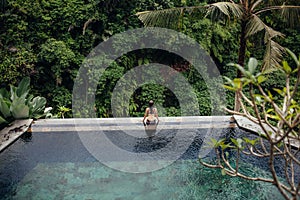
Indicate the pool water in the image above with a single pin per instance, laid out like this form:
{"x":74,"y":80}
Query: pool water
{"x":57,"y":166}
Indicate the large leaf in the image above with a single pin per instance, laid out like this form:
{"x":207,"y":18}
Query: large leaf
{"x":13,"y":93}
{"x":252,"y":64}
{"x":23,"y":87}
{"x":37,"y":107}
{"x":19,"y":109}
{"x":4,"y":108}
{"x":4,"y":93}
{"x":2,"y":120}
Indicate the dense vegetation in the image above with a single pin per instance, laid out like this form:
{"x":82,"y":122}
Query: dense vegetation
{"x":48,"y":41}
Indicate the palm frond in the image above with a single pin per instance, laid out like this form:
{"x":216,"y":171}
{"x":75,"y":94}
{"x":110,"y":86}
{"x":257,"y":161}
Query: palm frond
{"x":255,"y":4}
{"x":163,"y":18}
{"x":254,"y":25}
{"x":171,"y":16}
{"x":273,"y":55}
{"x":291,"y":15}
{"x":225,"y":9}
{"x":166,"y":17}
{"x":271,"y":33}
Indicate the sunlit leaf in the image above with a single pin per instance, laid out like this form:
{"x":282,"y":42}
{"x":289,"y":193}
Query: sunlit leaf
{"x":276,"y":117}
{"x":286,"y":67}
{"x":261,"y":79}
{"x":229,"y":88}
{"x":270,"y":94}
{"x":280,"y":92}
{"x":249,"y":141}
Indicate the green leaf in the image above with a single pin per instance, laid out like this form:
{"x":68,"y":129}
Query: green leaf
{"x":225,"y":146}
{"x":4,"y":93}
{"x":280,"y":144}
{"x":4,"y":109}
{"x":270,"y":110}
{"x":226,"y":154}
{"x":270,"y":94}
{"x":286,"y":67}
{"x":249,"y":141}
{"x":237,"y":142}
{"x":19,"y":109}
{"x":297,"y":61}
{"x":237,"y":83}
{"x":252,"y":64}
{"x":240,"y":68}
{"x":261,"y":79}
{"x":223,"y":172}
{"x":13,"y":93}
{"x":140,"y":62}
{"x":248,"y":74}
{"x":2,"y":120}
{"x":276,"y":117}
{"x":280,"y":92}
{"x":37,"y":106}
{"x":23,"y":87}
{"x":229,"y":88}
{"x":295,"y":70}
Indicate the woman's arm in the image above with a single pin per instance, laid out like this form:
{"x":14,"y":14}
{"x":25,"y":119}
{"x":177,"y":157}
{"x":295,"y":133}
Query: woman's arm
{"x":145,"y":115}
{"x":156,"y":114}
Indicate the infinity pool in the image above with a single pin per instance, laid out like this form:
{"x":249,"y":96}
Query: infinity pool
{"x":56,"y":165}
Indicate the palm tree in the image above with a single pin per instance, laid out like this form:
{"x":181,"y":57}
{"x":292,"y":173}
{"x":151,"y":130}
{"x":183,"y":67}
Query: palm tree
{"x":247,"y":13}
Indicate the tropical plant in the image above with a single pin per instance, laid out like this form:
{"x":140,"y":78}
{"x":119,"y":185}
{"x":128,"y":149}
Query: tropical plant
{"x":246,"y":13}
{"x":62,"y":110}
{"x":18,"y":104}
{"x":277,"y":112}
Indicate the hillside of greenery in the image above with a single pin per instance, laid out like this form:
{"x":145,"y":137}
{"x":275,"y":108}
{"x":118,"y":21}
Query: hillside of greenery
{"x":47,"y":41}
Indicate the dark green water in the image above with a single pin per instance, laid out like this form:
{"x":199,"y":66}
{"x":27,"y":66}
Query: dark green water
{"x":57,"y":166}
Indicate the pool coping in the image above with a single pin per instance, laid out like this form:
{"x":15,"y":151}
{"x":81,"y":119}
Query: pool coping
{"x":11,"y":133}
{"x":245,"y":123}
{"x":129,"y":123}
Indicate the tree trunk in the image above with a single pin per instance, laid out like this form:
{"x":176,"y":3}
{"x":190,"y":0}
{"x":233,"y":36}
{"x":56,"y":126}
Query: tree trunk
{"x":241,"y":60}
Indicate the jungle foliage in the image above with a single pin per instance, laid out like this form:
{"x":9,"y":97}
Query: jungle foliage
{"x":48,"y":41}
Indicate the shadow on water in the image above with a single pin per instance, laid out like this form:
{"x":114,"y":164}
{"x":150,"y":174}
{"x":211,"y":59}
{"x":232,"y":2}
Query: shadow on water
{"x":26,"y":137}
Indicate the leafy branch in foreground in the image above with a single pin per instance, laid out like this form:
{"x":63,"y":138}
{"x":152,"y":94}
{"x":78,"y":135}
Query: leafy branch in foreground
{"x":277,"y":113}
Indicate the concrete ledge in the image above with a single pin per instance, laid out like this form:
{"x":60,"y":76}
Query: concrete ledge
{"x":10,"y":134}
{"x":131,"y":123}
{"x":248,"y":125}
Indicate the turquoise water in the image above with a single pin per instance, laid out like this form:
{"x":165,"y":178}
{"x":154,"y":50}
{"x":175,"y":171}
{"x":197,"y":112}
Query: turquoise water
{"x":57,"y":166}
{"x":182,"y":180}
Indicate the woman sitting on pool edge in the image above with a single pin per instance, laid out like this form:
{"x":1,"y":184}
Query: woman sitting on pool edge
{"x":151,"y":116}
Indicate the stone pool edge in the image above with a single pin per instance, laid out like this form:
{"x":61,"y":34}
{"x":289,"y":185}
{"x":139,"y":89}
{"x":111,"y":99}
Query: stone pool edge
{"x":10,"y":134}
